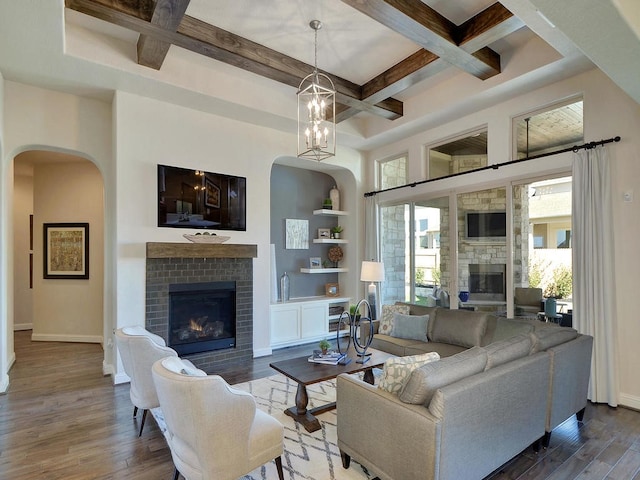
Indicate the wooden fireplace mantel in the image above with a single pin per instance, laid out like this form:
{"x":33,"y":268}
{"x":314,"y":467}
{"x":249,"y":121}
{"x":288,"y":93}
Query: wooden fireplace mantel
{"x":200,"y":250}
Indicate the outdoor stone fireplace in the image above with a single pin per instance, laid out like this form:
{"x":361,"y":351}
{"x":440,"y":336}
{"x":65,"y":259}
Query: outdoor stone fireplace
{"x":210,"y":289}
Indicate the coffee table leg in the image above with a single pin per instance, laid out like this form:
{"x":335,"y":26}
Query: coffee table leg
{"x":300,"y":413}
{"x":302,"y":399}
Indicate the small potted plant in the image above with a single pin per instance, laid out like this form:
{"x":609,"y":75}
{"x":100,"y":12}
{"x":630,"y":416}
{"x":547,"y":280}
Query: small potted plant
{"x":327,"y":204}
{"x":353,"y":314}
{"x":324,"y":346}
{"x":337,"y":230}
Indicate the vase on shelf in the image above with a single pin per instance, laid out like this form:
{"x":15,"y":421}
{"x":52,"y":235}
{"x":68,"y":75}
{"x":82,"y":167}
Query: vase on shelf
{"x":334,"y":195}
{"x":284,"y":287}
{"x":463,"y":296}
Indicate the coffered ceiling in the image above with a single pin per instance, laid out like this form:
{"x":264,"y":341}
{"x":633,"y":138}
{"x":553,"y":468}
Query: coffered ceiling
{"x":400,"y":66}
{"x":372,"y":49}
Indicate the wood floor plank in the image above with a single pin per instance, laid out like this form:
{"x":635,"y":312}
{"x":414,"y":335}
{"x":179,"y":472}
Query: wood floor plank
{"x":62,"y":419}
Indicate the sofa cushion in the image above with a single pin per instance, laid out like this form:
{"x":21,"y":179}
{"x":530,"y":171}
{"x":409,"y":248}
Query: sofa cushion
{"x":508,"y":327}
{"x":544,"y":338}
{"x":424,"y":381}
{"x":386,"y":322}
{"x":459,"y":327}
{"x":396,"y":371}
{"x":507,"y":350}
{"x":411,"y":327}
{"x":393,"y":345}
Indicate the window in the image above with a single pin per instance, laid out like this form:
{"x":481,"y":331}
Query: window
{"x":546,"y":131}
{"x":460,"y":155}
{"x":392,"y":172}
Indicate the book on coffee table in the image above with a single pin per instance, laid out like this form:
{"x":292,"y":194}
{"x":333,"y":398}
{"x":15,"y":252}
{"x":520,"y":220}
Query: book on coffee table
{"x":330,"y":358}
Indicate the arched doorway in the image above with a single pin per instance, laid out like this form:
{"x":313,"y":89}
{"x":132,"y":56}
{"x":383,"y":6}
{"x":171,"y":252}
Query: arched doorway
{"x":61,"y":189}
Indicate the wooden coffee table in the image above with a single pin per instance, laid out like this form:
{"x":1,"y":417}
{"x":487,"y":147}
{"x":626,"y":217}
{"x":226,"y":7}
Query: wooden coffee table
{"x":306,"y":373}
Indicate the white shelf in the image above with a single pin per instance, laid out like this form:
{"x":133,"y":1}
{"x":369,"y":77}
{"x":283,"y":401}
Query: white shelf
{"x":330,"y":240}
{"x":334,"y":213}
{"x":323,"y":270}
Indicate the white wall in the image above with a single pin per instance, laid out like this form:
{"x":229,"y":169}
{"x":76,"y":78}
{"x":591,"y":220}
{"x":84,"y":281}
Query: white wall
{"x":23,"y":208}
{"x":608,"y":112}
{"x":150,"y":132}
{"x":6,"y":189}
{"x":69,"y":309}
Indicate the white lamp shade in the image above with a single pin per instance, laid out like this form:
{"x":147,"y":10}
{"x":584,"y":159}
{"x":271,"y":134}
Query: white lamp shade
{"x":372,"y":272}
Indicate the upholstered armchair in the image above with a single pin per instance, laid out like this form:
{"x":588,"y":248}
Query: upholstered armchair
{"x":139,"y":349}
{"x":527,"y":300}
{"x":214,"y":432}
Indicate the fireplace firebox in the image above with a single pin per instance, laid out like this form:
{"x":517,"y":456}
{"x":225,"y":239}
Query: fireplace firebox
{"x":202,"y":317}
{"x":487,"y":282}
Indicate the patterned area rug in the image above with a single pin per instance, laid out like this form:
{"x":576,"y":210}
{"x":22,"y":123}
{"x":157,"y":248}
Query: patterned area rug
{"x":307,"y":456}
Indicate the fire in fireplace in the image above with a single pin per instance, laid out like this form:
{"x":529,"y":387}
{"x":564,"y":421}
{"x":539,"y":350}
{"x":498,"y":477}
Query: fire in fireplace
{"x":202,"y":316}
{"x":487,"y":282}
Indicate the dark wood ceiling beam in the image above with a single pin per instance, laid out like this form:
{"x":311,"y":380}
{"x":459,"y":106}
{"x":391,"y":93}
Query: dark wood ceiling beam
{"x":424,"y":26}
{"x":168,"y":15}
{"x":213,"y":42}
{"x":488,"y":26}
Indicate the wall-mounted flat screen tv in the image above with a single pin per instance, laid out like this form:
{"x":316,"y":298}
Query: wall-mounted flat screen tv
{"x":486,"y":225}
{"x":198,"y":199}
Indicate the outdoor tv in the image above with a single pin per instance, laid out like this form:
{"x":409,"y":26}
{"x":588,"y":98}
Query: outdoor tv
{"x":203,"y":200}
{"x":486,"y":225}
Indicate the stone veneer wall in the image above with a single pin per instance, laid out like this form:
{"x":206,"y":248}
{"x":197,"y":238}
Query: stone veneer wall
{"x":164,"y":271}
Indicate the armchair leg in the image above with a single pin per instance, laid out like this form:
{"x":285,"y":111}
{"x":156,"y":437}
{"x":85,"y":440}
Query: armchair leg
{"x":546,"y":439}
{"x":346,"y":459}
{"x":580,"y":414}
{"x":176,"y":474}
{"x":278,"y":460}
{"x":144,"y":417}
{"x":135,"y":410}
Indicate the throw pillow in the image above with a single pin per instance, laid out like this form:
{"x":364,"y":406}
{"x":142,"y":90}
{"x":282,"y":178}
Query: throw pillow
{"x":411,"y":327}
{"x":386,"y":322}
{"x":396,"y":371}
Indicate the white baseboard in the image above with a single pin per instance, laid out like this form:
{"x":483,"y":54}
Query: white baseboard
{"x":262,"y":352}
{"x":12,"y":360}
{"x":107,"y":369}
{"x":4,"y":383}
{"x":630,"y":401}
{"x":22,"y":326}
{"x":55,"y":337}
{"x":119,"y":378}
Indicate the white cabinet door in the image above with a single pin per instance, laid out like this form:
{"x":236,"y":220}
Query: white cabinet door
{"x":314,"y":319}
{"x":285,"y":323}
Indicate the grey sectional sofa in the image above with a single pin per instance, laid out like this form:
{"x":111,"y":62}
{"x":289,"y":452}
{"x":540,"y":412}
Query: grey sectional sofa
{"x":500,"y":386}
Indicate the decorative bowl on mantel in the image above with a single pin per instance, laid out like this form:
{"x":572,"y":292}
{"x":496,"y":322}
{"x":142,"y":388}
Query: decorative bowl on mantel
{"x":201,"y":238}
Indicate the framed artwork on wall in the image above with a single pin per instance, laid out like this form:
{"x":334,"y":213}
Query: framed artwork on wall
{"x":296,"y":234}
{"x":66,"y":251}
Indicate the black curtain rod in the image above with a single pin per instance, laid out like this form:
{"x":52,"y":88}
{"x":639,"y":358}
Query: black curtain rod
{"x":575,"y":148}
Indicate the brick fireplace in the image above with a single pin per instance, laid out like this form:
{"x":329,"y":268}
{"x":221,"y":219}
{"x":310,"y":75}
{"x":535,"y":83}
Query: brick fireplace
{"x":175,"y":266}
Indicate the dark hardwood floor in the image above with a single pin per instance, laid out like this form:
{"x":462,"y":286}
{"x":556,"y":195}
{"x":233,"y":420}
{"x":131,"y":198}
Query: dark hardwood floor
{"x":62,"y":419}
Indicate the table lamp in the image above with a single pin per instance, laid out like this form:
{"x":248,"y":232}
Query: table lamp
{"x":372,"y":272}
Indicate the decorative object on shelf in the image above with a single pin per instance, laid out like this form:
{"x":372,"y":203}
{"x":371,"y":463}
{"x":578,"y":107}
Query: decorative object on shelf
{"x":372,"y":272}
{"x":316,"y":111}
{"x":324,"y":233}
{"x":284,"y":287}
{"x":66,"y":251}
{"x":463,"y":296}
{"x":315,"y":262}
{"x":337,"y":230}
{"x":331,"y":289}
{"x":327,"y":204}
{"x":335,"y":254}
{"x":297,"y":234}
{"x":334,"y":194}
{"x":206,"y":238}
